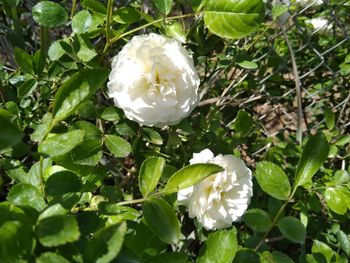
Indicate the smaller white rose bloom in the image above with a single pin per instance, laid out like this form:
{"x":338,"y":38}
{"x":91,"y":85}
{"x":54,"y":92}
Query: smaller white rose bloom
{"x":319,"y":23}
{"x":221,"y":198}
{"x":154,"y":81}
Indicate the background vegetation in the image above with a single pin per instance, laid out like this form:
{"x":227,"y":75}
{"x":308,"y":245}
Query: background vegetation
{"x":274,"y":94}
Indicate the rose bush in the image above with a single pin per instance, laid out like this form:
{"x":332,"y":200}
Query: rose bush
{"x":154,"y":81}
{"x":222,"y":198}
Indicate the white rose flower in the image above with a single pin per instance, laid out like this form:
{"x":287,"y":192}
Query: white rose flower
{"x":154,"y":81}
{"x":221,"y":198}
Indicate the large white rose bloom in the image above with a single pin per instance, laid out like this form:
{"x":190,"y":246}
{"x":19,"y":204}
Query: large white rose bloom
{"x":154,"y":81}
{"x":221,"y":198}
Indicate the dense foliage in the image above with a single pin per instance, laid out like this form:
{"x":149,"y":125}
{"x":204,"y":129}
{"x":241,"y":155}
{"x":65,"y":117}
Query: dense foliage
{"x":80,"y":182}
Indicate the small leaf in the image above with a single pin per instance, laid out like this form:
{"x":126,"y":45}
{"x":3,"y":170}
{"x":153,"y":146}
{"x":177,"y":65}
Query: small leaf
{"x":190,"y":175}
{"x":95,"y":6}
{"x":26,"y":195}
{"x":49,"y":14}
{"x":344,"y":242}
{"x":111,"y":114}
{"x":338,"y":199}
{"x":248,"y":64}
{"x":150,"y":173}
{"x":105,"y":244}
{"x":278,"y":10}
{"x":62,"y":182}
{"x":233,"y":19}
{"x":313,"y":156}
{"x":50,"y":257}
{"x":23,"y":60}
{"x":81,"y":22}
{"x":162,"y":220}
{"x":76,"y":90}
{"x":329,"y":117}
{"x":83,"y":48}
{"x":117,"y":145}
{"x":61,"y":144}
{"x":56,"y":51}
{"x":243,"y":123}
{"x":57,"y":230}
{"x":10,"y":132}
{"x":27,"y":88}
{"x":126,"y":15}
{"x":292,"y":229}
{"x":153,"y":136}
{"x":220,"y":247}
{"x":164,"y":6}
{"x":273,"y":180}
{"x":257,"y":219}
{"x":319,"y":247}
{"x":279,"y":257}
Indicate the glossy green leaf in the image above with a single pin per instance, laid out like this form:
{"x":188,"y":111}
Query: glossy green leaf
{"x":314,"y":154}
{"x":248,"y":64}
{"x":190,"y":175}
{"x":105,"y":244}
{"x":126,"y":15}
{"x":27,"y":88}
{"x":83,"y":48}
{"x":81,"y":22}
{"x":344,"y":242}
{"x":62,"y":182}
{"x":23,"y":60}
{"x":162,"y":220}
{"x":319,"y":247}
{"x":243,"y":123}
{"x":245,"y":255}
{"x":76,"y":90}
{"x":292,"y":229}
{"x":233,"y":19}
{"x":50,"y":257}
{"x":57,"y":230}
{"x":152,"y":136}
{"x":278,"y":10}
{"x":329,"y":116}
{"x":279,"y":257}
{"x":111,"y":114}
{"x":164,"y":6}
{"x":257,"y":219}
{"x":273,"y":180}
{"x":26,"y":195}
{"x":56,"y":51}
{"x":117,"y":145}
{"x":87,"y":153}
{"x":220,"y":247}
{"x":10,"y":132}
{"x":338,"y":199}
{"x":62,"y":143}
{"x":150,"y":173}
{"x":49,"y":14}
{"x":94,"y":5}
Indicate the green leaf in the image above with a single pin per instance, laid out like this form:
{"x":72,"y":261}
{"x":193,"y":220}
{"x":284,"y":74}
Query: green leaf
{"x":164,"y":6}
{"x":95,"y":6}
{"x":233,"y":19}
{"x":56,"y":51}
{"x":279,"y":257}
{"x":220,"y":247}
{"x":16,"y":235}
{"x":26,"y":195}
{"x":337,"y":199}
{"x":61,"y":144}
{"x":10,"y":132}
{"x":87,"y":153}
{"x":105,"y":244}
{"x":57,"y":230}
{"x":245,"y":255}
{"x":111,"y":114}
{"x":278,"y":10}
{"x":344,"y":242}
{"x":329,"y":118}
{"x":23,"y":60}
{"x":152,"y":136}
{"x":83,"y":48}
{"x":49,"y":14}
{"x":62,"y":182}
{"x":257,"y":219}
{"x":126,"y":15}
{"x":50,"y":257}
{"x":150,"y":173}
{"x":81,"y":22}
{"x":292,"y":229}
{"x":162,"y":220}
{"x":243,"y":123}
{"x":76,"y":90}
{"x":314,"y":154}
{"x":27,"y":88}
{"x":117,"y":145}
{"x":169,"y":257}
{"x":190,"y":175}
{"x":319,"y":247}
{"x":273,"y":180}
{"x":248,"y":64}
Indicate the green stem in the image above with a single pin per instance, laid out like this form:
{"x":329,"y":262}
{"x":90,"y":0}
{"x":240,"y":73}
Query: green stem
{"x":108,"y":21}
{"x":44,"y":39}
{"x":141,"y":200}
{"x":116,"y":38}
{"x":74,"y":5}
{"x":42,"y":180}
